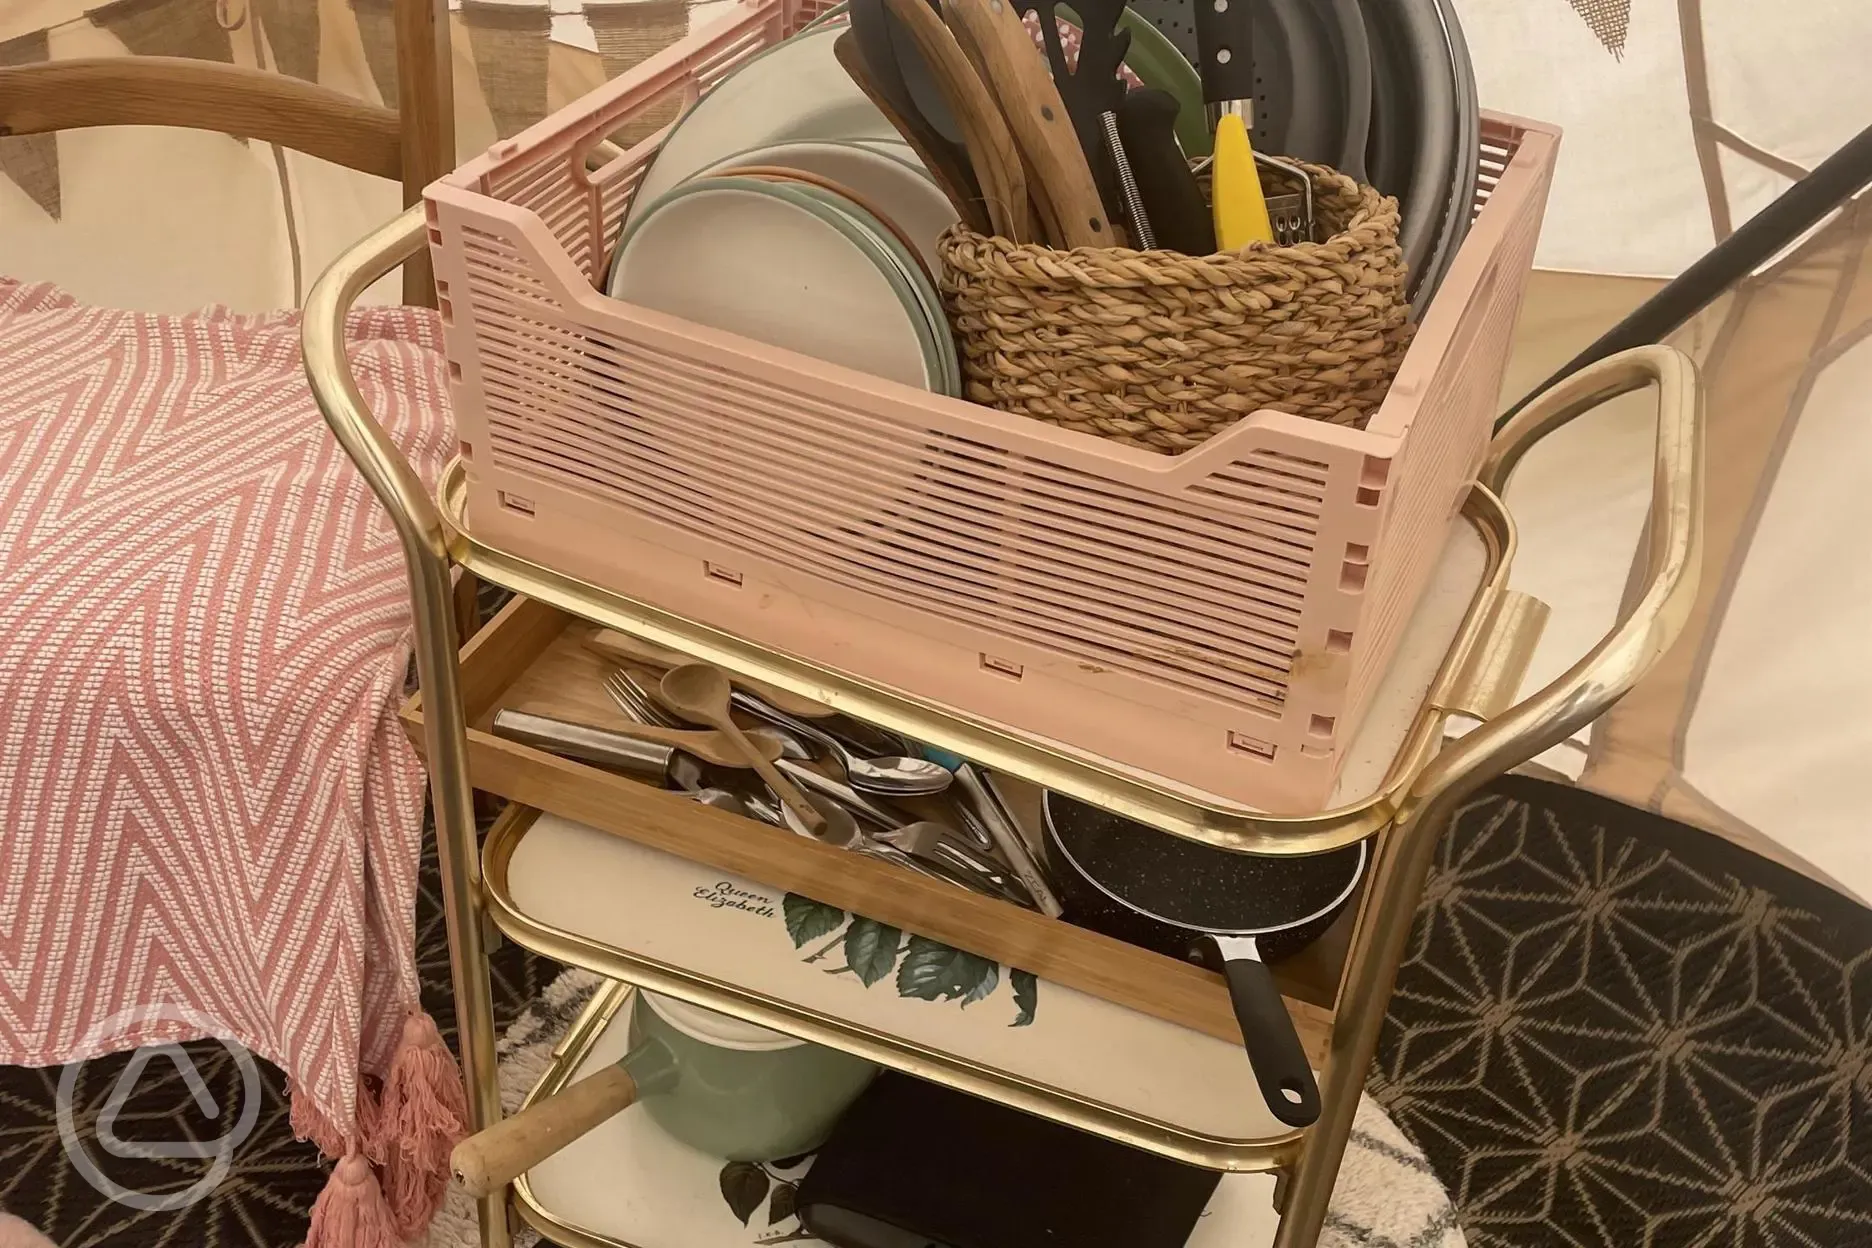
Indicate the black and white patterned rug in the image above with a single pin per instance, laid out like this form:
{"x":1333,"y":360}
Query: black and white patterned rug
{"x":1613,"y":1032}
{"x":1616,"y":1030}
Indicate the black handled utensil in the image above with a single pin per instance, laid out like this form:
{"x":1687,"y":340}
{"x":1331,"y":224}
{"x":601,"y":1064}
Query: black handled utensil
{"x":947,"y":162}
{"x":1169,"y":192}
{"x":1225,"y":56}
{"x":1091,"y":89}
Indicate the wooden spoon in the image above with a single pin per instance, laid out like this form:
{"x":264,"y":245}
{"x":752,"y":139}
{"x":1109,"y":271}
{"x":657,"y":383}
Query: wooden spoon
{"x":700,"y":693}
{"x":622,"y":647}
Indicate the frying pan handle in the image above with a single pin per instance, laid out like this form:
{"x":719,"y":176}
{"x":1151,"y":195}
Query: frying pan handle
{"x":1280,"y":1064}
{"x":1675,"y":528}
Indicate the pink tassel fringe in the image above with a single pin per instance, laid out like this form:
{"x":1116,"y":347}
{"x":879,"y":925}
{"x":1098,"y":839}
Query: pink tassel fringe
{"x":17,"y":1234}
{"x":308,"y":1123}
{"x":423,"y":1115}
{"x":351,"y":1211}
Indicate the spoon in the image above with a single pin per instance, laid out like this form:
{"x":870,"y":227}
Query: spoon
{"x":889,"y":776}
{"x":686,"y":774}
{"x":701,"y":693}
{"x":636,"y":703}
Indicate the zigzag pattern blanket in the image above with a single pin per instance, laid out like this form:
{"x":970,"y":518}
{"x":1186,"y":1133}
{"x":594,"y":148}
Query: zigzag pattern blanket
{"x":209,"y":817}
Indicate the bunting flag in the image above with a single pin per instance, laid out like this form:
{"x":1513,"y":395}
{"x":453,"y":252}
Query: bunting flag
{"x":168,"y":28}
{"x":292,"y":33}
{"x":31,"y":161}
{"x":510,"y":44}
{"x":1609,"y":20}
{"x":629,"y":32}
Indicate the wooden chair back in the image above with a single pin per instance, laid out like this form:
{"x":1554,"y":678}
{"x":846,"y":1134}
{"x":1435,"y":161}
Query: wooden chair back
{"x":413,"y":143}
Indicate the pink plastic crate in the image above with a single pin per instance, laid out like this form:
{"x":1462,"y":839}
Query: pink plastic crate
{"x":1220,"y":617}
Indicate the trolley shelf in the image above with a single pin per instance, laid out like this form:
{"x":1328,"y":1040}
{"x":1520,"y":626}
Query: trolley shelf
{"x":1394,"y":736}
{"x":627,"y":1185}
{"x":730,"y":944}
{"x":531,"y":657}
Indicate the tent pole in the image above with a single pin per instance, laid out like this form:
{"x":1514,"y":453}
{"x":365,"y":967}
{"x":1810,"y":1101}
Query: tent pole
{"x":1838,"y":178}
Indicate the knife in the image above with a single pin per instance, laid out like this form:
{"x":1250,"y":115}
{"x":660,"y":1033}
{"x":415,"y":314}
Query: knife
{"x":1225,"y":50}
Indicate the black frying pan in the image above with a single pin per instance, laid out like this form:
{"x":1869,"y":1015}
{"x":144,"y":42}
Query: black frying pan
{"x":1233,"y":912}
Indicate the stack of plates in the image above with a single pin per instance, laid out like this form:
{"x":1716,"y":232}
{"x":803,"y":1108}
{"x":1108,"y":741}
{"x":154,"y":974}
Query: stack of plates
{"x":784,"y":207}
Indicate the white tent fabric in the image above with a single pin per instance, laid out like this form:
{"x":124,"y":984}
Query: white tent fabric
{"x":1682,"y":118}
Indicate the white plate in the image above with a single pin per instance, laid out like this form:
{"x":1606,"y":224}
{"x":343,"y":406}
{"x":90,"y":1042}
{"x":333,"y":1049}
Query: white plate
{"x":762,"y":260}
{"x":794,"y":90}
{"x":898,"y":189}
{"x":939,"y":342}
{"x":895,"y":147}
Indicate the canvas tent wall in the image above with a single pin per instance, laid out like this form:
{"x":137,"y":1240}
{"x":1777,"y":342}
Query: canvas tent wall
{"x":172,"y":219}
{"x":1682,"y":117}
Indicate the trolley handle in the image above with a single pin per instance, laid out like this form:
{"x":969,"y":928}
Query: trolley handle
{"x":1675,"y":528}
{"x":328,"y":370}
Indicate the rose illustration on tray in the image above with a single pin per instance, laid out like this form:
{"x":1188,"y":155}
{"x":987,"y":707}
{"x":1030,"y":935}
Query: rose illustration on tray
{"x":925,"y":970}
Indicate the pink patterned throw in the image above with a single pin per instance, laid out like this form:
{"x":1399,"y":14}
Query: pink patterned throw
{"x":209,"y":817}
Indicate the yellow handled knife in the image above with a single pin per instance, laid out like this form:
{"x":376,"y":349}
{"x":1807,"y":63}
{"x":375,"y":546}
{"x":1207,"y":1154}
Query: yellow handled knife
{"x":1239,"y":207}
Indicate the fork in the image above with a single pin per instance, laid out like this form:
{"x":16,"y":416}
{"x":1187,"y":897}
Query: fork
{"x":635,"y":701}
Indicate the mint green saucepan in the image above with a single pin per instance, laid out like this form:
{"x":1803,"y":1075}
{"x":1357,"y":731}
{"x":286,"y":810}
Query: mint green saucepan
{"x":723,"y":1086}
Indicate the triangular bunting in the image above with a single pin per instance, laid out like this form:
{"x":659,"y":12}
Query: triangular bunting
{"x":167,"y":28}
{"x":1610,"y":21}
{"x":31,"y":160}
{"x":510,"y":46}
{"x":628,"y":33}
{"x":292,"y":32}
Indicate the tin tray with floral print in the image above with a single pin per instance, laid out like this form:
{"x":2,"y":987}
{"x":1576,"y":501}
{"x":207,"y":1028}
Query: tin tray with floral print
{"x":908,"y":1002}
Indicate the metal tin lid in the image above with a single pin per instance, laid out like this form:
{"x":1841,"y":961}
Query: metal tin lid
{"x":721,"y":1030}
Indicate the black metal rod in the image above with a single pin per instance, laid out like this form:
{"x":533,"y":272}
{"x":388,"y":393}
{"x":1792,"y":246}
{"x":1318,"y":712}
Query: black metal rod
{"x":1838,"y":178}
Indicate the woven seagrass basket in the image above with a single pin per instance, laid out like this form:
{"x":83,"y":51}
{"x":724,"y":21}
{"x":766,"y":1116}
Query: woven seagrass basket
{"x":1163,"y":350}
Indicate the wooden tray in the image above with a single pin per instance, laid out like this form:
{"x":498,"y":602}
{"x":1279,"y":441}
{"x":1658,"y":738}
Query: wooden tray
{"x":531,"y":656}
{"x":795,"y":965}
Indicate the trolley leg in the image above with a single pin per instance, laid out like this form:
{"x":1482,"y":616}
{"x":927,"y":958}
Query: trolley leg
{"x":458,"y":853}
{"x":1378,"y":941}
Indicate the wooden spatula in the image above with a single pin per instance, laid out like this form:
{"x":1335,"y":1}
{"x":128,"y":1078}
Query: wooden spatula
{"x":991,"y":33}
{"x":991,"y":147}
{"x":946,"y":164}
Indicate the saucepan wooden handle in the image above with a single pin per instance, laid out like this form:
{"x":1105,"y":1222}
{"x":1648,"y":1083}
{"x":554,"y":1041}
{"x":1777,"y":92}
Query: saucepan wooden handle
{"x":487,"y":1159}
